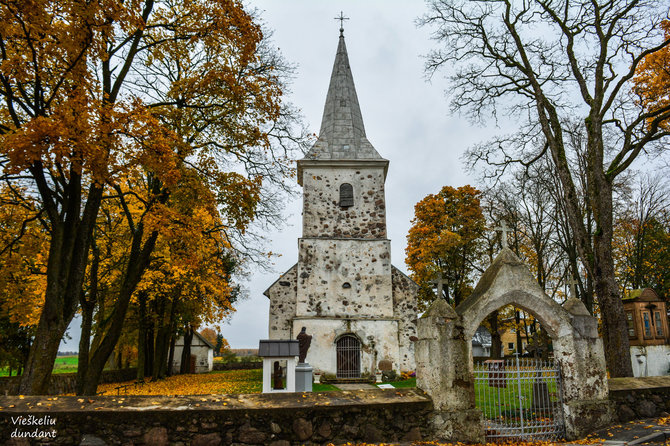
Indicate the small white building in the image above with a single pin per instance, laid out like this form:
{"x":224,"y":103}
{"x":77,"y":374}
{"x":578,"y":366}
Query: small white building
{"x":202,"y":355}
{"x":481,"y":343}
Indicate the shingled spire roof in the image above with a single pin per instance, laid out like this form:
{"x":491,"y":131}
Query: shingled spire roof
{"x":342,"y":134}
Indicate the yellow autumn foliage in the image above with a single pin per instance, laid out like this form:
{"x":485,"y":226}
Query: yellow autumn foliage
{"x":226,"y":382}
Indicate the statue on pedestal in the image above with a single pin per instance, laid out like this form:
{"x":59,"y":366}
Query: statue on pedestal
{"x":304,"y":341}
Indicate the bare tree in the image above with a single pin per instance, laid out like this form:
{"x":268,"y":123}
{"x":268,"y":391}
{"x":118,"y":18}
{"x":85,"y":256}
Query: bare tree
{"x":547,"y":61}
{"x":643,"y":209}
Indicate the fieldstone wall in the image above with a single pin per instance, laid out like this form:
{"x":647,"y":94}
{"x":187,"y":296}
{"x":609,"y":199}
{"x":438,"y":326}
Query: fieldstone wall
{"x":405,"y":309}
{"x":344,"y":278}
{"x":278,"y":420}
{"x":282,"y":295}
{"x":637,"y":398}
{"x":322,"y":214}
{"x":61,"y":383}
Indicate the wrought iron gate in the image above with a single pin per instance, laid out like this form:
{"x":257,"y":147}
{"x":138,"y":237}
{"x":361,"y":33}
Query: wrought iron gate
{"x":348,"y":357}
{"x":520,"y":399}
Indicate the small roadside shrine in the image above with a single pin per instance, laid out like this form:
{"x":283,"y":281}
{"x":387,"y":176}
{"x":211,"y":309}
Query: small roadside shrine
{"x":279,"y":362}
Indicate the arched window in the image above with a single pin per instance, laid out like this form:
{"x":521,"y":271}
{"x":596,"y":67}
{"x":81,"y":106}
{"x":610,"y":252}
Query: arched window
{"x":346,"y":195}
{"x":348,"y":357}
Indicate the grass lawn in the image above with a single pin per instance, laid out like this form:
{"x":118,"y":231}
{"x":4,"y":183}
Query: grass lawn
{"x":324,"y":388}
{"x":62,"y":364}
{"x":403,"y":384}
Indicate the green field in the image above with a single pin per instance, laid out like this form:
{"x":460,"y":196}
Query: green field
{"x":62,"y":364}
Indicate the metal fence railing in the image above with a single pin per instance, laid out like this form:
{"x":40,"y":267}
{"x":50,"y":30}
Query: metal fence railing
{"x":521,"y":399}
{"x":348,"y":350}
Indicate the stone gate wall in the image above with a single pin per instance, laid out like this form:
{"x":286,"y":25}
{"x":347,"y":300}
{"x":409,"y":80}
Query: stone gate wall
{"x":638,"y":398}
{"x":370,"y":416}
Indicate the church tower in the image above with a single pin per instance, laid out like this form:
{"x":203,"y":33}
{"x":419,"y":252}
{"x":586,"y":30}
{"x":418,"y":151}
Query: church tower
{"x":359,"y":309}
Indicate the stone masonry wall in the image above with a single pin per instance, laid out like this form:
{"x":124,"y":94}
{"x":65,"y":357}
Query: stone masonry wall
{"x":344,"y":278}
{"x":322,"y":214}
{"x":404,"y":304}
{"x":378,"y":338}
{"x":275,"y":420}
{"x":637,"y":398}
{"x":282,"y":296}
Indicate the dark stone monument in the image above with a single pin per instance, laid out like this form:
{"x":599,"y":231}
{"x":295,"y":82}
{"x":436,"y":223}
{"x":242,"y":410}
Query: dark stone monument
{"x":304,"y":341}
{"x":303,"y":371}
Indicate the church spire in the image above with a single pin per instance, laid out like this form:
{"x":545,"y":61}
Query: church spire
{"x":342,"y":134}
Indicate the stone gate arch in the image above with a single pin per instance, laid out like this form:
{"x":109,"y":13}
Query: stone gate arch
{"x":444,"y":352}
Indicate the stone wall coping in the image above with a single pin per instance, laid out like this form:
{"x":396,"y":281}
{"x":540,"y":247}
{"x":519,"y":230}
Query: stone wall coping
{"x":644,"y":382}
{"x":350,"y":239}
{"x":243,"y":402}
{"x":346,"y":318}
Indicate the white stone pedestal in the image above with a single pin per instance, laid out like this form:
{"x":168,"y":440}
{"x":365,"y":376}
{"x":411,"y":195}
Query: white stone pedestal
{"x":303,"y":377}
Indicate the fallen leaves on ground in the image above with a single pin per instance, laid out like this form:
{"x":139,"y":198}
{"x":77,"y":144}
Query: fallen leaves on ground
{"x":230,"y":381}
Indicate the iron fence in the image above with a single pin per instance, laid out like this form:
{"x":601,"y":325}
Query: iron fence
{"x":348,"y":357}
{"x":520,"y":399}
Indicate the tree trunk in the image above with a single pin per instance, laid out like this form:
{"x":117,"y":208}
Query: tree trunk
{"x":171,"y":355}
{"x":496,"y":342}
{"x":87,"y":307}
{"x":150,"y":348}
{"x":84,"y":344}
{"x":160,"y":350}
{"x":36,"y":376}
{"x":617,"y":346}
{"x":137,"y":263}
{"x":71,"y":232}
{"x":141,"y":335}
{"x":166,"y":333}
{"x":186,"y":351}
{"x":613,"y":317}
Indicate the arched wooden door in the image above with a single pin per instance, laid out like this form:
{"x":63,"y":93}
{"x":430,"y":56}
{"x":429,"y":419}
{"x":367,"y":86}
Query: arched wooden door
{"x":348,"y":357}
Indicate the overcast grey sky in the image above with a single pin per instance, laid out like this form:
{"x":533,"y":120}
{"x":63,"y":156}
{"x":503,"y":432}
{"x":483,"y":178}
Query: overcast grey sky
{"x":406,"y":118}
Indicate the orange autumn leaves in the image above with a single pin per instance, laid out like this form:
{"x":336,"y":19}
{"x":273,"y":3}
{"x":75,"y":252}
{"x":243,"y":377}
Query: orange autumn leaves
{"x":22,"y":262}
{"x":228,"y":382}
{"x":445,"y":238}
{"x":652,"y":79}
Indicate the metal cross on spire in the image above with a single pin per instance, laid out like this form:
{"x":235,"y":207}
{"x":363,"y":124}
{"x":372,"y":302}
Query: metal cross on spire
{"x":504,"y":229}
{"x":341,"y":18}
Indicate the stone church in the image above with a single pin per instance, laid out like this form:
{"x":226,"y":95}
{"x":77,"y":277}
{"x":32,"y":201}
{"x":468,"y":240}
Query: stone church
{"x":359,"y":308}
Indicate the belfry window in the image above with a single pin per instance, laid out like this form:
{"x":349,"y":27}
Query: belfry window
{"x":346,"y":195}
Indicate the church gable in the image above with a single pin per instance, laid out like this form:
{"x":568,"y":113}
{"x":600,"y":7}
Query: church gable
{"x":404,"y":310}
{"x":282,"y":295}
